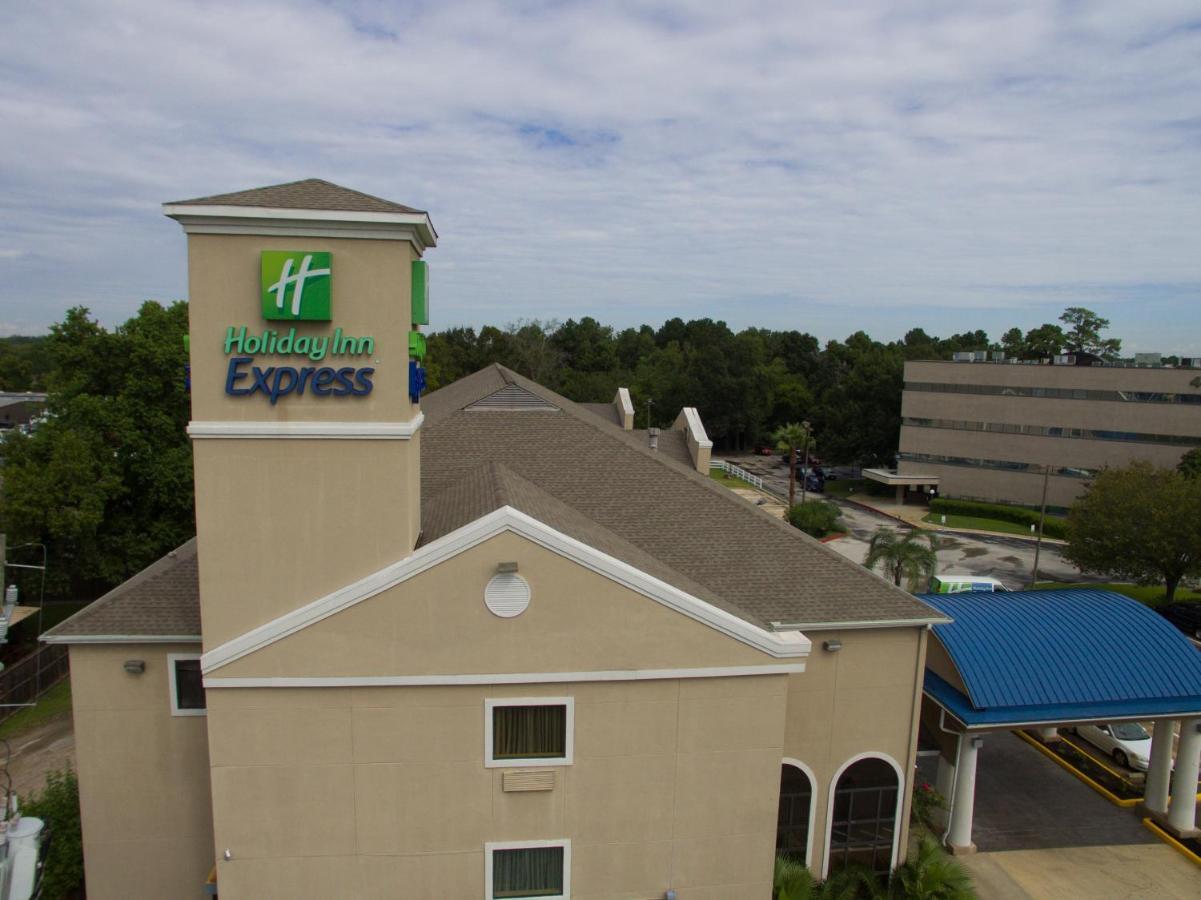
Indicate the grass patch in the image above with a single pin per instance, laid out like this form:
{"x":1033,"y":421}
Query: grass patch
{"x":978,"y":523}
{"x":1149,"y":594}
{"x":50,"y":704}
{"x":728,"y":480}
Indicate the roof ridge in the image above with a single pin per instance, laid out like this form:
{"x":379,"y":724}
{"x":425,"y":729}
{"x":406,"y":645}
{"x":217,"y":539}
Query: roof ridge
{"x":247,"y":196}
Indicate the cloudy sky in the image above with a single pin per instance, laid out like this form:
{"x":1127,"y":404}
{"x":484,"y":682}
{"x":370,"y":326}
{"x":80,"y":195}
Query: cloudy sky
{"x":821,"y":166}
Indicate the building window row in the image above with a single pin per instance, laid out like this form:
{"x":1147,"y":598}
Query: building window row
{"x":1093,"y":434}
{"x":1053,"y":393}
{"x":1003,"y":465}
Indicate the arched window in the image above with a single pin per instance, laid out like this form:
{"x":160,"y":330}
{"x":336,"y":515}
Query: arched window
{"x":863,"y":819}
{"x":796,"y":813}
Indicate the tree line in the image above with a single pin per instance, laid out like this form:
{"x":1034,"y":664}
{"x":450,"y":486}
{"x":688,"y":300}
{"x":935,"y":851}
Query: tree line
{"x":106,"y":482}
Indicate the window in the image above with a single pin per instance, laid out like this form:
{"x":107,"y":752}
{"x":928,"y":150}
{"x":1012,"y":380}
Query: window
{"x":795,"y":814}
{"x":187,"y":685}
{"x":863,"y":818}
{"x":527,"y":869}
{"x":528,"y":731}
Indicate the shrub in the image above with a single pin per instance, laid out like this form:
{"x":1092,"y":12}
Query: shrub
{"x":817,"y":519}
{"x":1053,"y":527}
{"x":792,"y":881}
{"x":925,"y":801}
{"x":58,"y":806}
{"x":930,"y":874}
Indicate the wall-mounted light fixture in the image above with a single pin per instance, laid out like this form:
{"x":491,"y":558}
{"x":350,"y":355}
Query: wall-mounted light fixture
{"x":833,"y":645}
{"x":135,"y":666}
{"x":506,"y":568}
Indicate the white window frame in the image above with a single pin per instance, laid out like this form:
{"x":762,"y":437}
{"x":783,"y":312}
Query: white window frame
{"x":569,"y":743}
{"x":491,"y":847}
{"x":172,"y":659}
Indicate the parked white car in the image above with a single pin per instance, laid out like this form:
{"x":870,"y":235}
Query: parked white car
{"x":1129,"y":743}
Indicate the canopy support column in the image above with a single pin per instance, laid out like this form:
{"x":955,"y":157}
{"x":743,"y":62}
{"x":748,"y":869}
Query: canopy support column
{"x":1159,"y":771}
{"x":963,"y":805}
{"x":1182,"y":811}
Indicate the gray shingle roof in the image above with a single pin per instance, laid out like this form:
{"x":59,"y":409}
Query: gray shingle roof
{"x":312,"y":193}
{"x":586,"y":477}
{"x":696,"y":531}
{"x":160,"y":601}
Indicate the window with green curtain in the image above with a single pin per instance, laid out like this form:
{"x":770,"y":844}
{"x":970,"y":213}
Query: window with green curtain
{"x":528,"y":871}
{"x":521,"y":732}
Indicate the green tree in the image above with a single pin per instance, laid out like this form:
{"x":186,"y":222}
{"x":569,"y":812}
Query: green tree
{"x":1013,"y":343}
{"x":791,"y":438}
{"x":1084,"y":334}
{"x":1044,"y":341}
{"x":911,"y":557}
{"x":1190,"y":464}
{"x":58,"y":806}
{"x":1138,"y":522}
{"x":106,"y":482}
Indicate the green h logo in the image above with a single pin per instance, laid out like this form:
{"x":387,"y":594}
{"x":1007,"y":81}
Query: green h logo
{"x":296,"y":285}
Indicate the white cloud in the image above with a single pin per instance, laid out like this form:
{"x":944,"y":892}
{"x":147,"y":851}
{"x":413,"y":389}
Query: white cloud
{"x":825,"y":168}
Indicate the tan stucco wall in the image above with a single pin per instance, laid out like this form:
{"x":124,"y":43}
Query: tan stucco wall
{"x":437,"y":623}
{"x":383,"y":793}
{"x":143,"y":777}
{"x":303,"y":498}
{"x":283,"y":522}
{"x":862,"y":699}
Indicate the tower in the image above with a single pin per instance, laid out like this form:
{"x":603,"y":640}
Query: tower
{"x":305,"y":302}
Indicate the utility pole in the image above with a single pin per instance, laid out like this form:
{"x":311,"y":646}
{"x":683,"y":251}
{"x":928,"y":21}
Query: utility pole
{"x":805,"y":471}
{"x":1042,"y":515}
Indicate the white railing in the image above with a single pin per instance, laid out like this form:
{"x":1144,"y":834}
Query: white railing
{"x":737,"y":472}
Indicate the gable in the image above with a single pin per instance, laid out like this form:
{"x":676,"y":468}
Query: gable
{"x":587,"y":613}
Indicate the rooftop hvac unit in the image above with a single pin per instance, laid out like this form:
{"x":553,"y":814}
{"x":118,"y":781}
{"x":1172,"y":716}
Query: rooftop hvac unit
{"x":1065,"y":359}
{"x":961,"y":356}
{"x":998,"y":356}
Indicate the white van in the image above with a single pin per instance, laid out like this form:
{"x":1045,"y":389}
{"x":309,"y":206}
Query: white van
{"x":953,"y":583}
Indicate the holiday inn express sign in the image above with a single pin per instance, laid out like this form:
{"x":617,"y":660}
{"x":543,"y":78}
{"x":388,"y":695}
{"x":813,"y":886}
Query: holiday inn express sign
{"x":296,"y":286}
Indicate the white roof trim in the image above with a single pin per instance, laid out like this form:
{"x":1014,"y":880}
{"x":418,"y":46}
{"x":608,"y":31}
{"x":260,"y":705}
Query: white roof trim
{"x":696,"y":428}
{"x":623,"y":397}
{"x":786,"y":645}
{"x":861,"y":623}
{"x":503,"y":677}
{"x":218,"y":215}
{"x":381,"y":431}
{"x":121,"y":639}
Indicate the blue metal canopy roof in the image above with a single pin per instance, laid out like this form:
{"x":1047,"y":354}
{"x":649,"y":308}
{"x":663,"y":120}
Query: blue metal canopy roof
{"x":1054,"y":656}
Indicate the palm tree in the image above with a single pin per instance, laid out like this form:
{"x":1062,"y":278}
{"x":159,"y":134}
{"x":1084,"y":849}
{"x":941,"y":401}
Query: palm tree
{"x":911,"y":556}
{"x":930,"y":874}
{"x":788,"y":439}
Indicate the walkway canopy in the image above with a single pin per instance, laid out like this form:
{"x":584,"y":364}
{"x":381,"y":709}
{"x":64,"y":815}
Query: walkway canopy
{"x":1034,"y":658}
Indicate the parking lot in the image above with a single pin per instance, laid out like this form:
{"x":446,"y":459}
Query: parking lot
{"x":1009,"y":559}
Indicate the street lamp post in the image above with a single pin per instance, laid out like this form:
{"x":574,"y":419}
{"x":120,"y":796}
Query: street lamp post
{"x":805,"y":470}
{"x":1042,"y":515}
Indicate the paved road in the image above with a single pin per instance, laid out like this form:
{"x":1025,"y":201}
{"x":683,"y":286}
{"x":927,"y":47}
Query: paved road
{"x":1008,"y":559}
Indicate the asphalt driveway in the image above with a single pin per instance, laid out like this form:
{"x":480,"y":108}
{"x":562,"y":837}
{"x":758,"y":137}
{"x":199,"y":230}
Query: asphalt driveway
{"x":1024,"y":801}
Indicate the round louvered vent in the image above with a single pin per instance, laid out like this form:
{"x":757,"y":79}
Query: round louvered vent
{"x":507,"y":595}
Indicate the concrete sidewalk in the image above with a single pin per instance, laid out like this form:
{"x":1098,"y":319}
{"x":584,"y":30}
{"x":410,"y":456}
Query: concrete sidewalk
{"x":1129,"y":872}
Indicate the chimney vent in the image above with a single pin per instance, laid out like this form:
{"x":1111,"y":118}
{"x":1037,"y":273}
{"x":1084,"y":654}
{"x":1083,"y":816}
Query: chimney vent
{"x":654,"y":436}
